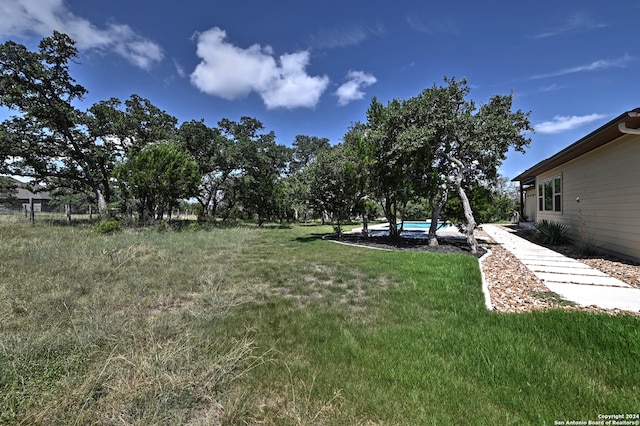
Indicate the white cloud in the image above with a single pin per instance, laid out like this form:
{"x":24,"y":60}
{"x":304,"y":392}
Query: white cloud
{"x":563,"y":123}
{"x":338,"y":37}
{"x":344,"y":36}
{"x":351,"y":90}
{"x":551,"y":88}
{"x":435,"y":27}
{"x":42,"y":17}
{"x":231,"y":72}
{"x":576,"y":22}
{"x":179,"y":69}
{"x":293,"y":87}
{"x":601,"y":64}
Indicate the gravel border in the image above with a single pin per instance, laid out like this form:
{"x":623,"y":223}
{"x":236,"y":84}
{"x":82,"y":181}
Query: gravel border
{"x":514,"y":288}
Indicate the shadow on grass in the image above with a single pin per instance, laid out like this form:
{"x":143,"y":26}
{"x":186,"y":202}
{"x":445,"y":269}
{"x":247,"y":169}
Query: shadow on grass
{"x":275,"y":226}
{"x":310,"y":238}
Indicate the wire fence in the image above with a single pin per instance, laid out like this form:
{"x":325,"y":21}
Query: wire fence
{"x":24,"y":216}
{"x":61,"y":217}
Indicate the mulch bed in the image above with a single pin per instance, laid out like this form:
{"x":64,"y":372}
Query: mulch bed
{"x":445,"y":244}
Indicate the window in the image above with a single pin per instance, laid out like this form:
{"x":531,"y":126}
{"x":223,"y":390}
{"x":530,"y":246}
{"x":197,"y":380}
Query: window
{"x":550,"y":195}
{"x":557,"y":194}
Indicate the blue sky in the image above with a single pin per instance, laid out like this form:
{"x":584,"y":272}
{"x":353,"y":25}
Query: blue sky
{"x":312,"y":67}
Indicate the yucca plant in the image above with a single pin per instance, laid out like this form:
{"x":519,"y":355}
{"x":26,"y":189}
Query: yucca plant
{"x":552,"y":233}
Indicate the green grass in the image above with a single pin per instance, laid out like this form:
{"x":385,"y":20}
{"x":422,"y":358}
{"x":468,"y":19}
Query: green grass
{"x":277,"y":326}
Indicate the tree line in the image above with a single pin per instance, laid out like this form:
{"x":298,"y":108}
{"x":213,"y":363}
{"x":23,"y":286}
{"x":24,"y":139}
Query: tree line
{"x":437,"y":152}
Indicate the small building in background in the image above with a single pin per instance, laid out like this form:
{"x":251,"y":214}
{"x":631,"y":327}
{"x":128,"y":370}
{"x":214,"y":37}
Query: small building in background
{"x":23,"y":193}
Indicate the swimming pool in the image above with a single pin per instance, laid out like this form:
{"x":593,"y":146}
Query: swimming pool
{"x":422,"y":225}
{"x":413,"y":225}
{"x":412,"y":229}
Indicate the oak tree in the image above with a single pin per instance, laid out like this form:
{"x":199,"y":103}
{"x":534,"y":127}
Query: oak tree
{"x":158,"y":176}
{"x":47,"y":138}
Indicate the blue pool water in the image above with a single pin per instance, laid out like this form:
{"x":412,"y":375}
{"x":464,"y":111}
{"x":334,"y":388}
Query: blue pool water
{"x":412,"y":229}
{"x":422,"y":225}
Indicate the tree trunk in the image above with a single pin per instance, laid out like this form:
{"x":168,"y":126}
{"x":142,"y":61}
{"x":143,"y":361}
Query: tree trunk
{"x":436,"y":209}
{"x":205,"y":211}
{"x":228,"y":211}
{"x":468,"y":214}
{"x":102,"y":203}
{"x":32,"y":215}
{"x":148,"y":213}
{"x":365,"y":220}
{"x":390,"y":214}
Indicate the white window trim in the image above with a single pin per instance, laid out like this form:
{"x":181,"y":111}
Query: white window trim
{"x":541,"y":200}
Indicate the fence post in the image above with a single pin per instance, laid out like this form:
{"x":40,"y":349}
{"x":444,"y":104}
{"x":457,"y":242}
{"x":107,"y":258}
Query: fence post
{"x":67,"y":211}
{"x":32,"y":215}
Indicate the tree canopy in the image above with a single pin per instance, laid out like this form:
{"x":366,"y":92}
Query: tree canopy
{"x":53,"y":142}
{"x":436,"y":142}
{"x":472,"y":142}
{"x":47,"y":140}
{"x":435,"y":148}
{"x":333,"y":186}
{"x":157,"y":177}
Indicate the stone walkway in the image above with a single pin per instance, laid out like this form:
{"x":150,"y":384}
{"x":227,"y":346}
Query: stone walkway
{"x":569,"y":278}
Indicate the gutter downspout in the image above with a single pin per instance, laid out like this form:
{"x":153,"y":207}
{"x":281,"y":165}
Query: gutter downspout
{"x":624,"y":129}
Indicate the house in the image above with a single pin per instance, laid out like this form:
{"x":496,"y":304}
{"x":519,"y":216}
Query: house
{"x":41,"y":199}
{"x":592,"y":187}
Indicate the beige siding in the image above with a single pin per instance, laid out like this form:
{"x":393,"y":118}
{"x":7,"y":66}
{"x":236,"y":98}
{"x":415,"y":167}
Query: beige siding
{"x":607,"y":183}
{"x":531,"y":204}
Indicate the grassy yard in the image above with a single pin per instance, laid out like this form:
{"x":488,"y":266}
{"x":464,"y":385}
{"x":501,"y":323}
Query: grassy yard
{"x":277,"y":326}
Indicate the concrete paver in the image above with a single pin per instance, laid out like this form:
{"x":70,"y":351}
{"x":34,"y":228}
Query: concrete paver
{"x":555,"y":263}
{"x":569,"y":278}
{"x":581,"y":278}
{"x":625,"y":299}
{"x":570,"y":270}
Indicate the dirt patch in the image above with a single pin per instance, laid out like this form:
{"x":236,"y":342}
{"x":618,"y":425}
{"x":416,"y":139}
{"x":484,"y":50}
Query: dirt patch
{"x":319,"y":284}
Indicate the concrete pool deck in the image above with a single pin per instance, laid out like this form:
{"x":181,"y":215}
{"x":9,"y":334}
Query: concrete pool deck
{"x":449,"y":231}
{"x":567,"y":277}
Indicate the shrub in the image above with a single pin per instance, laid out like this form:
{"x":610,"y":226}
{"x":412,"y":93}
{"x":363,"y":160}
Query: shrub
{"x":588,"y":246}
{"x":109,"y":226}
{"x":198,"y":210}
{"x":194,"y":226}
{"x":552,"y":233}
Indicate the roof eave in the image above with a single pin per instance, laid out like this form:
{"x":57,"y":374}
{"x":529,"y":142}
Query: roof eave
{"x":599,"y":137}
